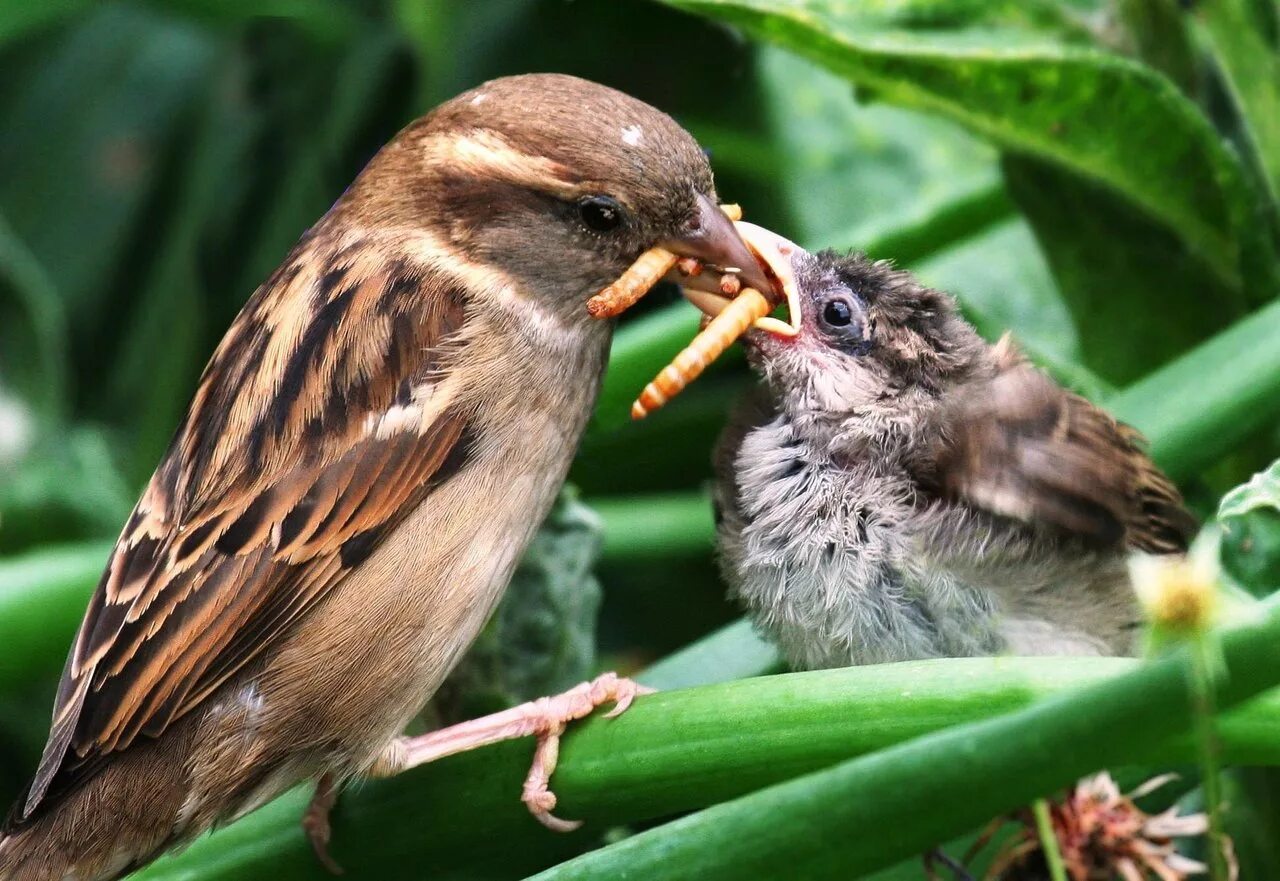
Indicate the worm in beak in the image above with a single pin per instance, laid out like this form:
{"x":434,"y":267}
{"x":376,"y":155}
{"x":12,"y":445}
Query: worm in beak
{"x":732,"y":307}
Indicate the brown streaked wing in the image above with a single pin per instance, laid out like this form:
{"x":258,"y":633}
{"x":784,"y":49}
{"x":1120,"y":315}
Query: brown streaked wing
{"x":1022,"y":447}
{"x":322,"y":419}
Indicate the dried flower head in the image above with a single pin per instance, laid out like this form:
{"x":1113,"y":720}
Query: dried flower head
{"x":1102,"y":836}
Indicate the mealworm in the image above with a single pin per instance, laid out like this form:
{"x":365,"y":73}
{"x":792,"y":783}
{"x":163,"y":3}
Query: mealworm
{"x":642,"y":275}
{"x":711,"y":341}
{"x":633,"y":284}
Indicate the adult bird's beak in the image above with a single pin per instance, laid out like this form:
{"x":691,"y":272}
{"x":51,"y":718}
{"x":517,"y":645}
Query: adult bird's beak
{"x":775,"y":256}
{"x":713,"y":239}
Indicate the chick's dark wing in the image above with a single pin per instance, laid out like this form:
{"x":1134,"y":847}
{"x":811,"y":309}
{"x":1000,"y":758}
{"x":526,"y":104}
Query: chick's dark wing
{"x":323,"y":418}
{"x":1020,"y":446}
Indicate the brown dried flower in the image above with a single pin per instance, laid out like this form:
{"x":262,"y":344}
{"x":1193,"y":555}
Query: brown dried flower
{"x":1104,"y":836}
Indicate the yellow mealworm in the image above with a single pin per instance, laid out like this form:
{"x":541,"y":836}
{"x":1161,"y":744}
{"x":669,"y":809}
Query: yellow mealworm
{"x":633,"y":284}
{"x":718,"y":335}
{"x":642,"y":275}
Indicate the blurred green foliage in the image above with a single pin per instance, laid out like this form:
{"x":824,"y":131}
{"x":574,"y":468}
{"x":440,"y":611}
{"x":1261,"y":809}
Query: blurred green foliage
{"x":1101,"y":177}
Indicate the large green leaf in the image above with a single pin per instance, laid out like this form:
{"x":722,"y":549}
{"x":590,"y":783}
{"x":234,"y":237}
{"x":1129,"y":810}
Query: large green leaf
{"x":1250,"y":65}
{"x":1098,"y":115}
{"x":1137,"y":297}
{"x":855,"y":174}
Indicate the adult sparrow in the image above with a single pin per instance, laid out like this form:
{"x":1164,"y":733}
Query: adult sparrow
{"x":901,"y":489}
{"x":368,"y":451}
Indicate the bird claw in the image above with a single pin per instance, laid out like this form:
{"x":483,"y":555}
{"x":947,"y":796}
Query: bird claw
{"x":557,"y":712}
{"x":625,"y":698}
{"x":315,"y":823}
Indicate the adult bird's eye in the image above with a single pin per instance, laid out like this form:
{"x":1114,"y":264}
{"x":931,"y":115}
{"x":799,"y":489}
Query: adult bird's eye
{"x":600,"y":213}
{"x":837,"y":313}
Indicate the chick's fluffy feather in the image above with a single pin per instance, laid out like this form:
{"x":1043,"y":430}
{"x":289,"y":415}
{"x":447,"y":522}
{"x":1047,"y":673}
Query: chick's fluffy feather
{"x":925,"y":494}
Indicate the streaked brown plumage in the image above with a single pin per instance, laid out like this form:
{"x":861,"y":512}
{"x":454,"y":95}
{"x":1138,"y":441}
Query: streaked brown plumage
{"x":368,"y":452}
{"x":901,"y":489}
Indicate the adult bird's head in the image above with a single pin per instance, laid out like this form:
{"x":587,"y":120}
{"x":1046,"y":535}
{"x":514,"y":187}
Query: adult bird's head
{"x":552,"y":185}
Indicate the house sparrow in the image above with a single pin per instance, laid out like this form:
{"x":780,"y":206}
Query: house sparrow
{"x":901,"y":489}
{"x":368,"y":452}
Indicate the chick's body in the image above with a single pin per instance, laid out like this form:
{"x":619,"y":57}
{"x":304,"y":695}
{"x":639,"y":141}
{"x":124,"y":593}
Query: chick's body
{"x":368,"y":452}
{"x":900,"y":489}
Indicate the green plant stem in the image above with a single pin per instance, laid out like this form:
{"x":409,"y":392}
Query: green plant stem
{"x":1204,"y":403}
{"x":683,"y":750}
{"x":1204,"y":715}
{"x":655,"y":526}
{"x":735,"y":651}
{"x":1048,"y":840}
{"x":928,"y":789}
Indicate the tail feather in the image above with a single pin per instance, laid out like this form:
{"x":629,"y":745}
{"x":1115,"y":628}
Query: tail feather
{"x":111,"y":822}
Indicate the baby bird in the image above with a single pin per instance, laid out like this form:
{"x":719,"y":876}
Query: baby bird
{"x":368,"y":452}
{"x":900,"y":489}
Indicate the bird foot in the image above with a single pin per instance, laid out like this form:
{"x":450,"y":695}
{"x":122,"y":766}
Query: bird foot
{"x":315,"y":822}
{"x":545,"y":718}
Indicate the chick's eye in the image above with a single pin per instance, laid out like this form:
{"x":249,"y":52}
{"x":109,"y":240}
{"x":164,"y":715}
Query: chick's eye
{"x":600,"y":213}
{"x":837,"y":313}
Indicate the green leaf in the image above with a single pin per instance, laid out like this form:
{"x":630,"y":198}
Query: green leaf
{"x":934,"y":787}
{"x":1097,"y":115}
{"x":33,"y":332}
{"x":1250,"y":517}
{"x":858,"y":175}
{"x":1137,"y":297}
{"x":1250,"y":68}
{"x":1261,"y":492}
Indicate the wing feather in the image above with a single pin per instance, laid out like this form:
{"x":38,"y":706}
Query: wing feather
{"x":323,"y":418}
{"x":1020,"y":446}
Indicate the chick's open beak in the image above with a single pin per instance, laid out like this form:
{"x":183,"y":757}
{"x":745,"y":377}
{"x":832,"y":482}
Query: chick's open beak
{"x":773,"y":255}
{"x":712,"y":239}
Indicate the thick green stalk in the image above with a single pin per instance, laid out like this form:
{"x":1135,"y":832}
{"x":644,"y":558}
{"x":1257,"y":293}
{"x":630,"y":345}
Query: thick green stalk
{"x":903,"y":799}
{"x":683,"y":750}
{"x":735,"y":651}
{"x":655,"y":526}
{"x":1203,"y":404}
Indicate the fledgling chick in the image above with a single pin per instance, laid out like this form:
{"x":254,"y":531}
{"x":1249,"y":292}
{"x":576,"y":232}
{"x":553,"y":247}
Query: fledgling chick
{"x":900,"y":489}
{"x":368,"y":452}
